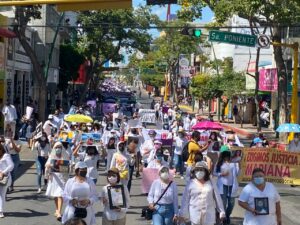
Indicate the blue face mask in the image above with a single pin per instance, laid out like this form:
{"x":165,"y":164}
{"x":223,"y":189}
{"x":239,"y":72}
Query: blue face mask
{"x":159,"y":158}
{"x":258,"y":180}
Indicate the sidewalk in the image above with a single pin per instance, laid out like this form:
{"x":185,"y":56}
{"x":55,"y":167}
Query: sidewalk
{"x":247,"y":131}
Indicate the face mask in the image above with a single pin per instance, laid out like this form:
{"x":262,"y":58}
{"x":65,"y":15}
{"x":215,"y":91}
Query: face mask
{"x":164,"y":176}
{"x":258,"y":180}
{"x":200,"y":174}
{"x":180,"y":135}
{"x":112,"y":180}
{"x":296,"y":139}
{"x":159,"y":158}
{"x":121,"y":149}
{"x":43,"y":139}
{"x":152,"y":138}
{"x":89,"y":128}
{"x":82,"y":173}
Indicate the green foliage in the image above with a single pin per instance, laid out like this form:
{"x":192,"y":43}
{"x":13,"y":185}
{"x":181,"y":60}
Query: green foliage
{"x":102,"y":42}
{"x":156,"y":80}
{"x":227,"y":82}
{"x":69,"y":71}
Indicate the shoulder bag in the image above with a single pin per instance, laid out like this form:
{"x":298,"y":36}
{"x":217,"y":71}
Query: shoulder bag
{"x":147,"y":212}
{"x":4,"y":181}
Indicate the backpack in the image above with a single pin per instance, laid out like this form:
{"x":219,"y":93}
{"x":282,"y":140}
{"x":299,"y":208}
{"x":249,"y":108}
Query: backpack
{"x":185,"y":152}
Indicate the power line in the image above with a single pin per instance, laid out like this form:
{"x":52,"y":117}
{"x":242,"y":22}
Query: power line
{"x":106,"y":25}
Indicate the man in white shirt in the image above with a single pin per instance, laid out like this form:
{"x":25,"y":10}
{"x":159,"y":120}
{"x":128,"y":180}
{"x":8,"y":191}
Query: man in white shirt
{"x":10,"y":116}
{"x":48,"y":125}
{"x":194,"y":121}
{"x":157,"y":108}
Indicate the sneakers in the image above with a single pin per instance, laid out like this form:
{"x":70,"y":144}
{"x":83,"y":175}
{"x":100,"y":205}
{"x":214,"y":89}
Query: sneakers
{"x":39,"y":190}
{"x":1,"y":215}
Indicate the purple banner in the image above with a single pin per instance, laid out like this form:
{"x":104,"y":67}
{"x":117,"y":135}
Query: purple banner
{"x":268,"y":80}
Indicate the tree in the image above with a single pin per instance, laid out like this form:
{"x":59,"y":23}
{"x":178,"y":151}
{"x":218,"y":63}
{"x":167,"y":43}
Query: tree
{"x":23,"y":15}
{"x":275,"y":15}
{"x":69,"y":71}
{"x":105,"y":33}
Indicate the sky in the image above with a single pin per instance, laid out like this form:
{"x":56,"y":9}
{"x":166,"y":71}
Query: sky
{"x":161,"y":11}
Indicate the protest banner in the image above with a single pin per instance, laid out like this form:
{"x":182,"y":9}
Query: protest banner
{"x":150,"y":175}
{"x":66,"y":135}
{"x":279,"y":167}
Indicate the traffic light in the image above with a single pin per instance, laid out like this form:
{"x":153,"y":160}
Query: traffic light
{"x":195,"y":32}
{"x":161,"y":2}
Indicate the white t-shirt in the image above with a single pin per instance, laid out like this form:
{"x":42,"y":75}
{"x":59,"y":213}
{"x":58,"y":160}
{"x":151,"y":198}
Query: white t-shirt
{"x":157,"y":107}
{"x":249,"y":193}
{"x":179,"y":145}
{"x":227,"y":180}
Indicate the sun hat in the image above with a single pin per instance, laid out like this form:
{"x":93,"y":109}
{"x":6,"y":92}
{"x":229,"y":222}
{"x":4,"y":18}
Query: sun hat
{"x":80,"y":165}
{"x":201,"y":164}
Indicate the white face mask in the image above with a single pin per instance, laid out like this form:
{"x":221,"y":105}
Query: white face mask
{"x":112,"y":180}
{"x":296,"y":139}
{"x":164,"y":176}
{"x":199,"y":175}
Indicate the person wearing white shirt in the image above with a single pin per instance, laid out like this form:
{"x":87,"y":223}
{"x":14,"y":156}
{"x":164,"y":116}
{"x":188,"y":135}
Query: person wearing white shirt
{"x":114,"y":216}
{"x":80,"y":192}
{"x":121,"y":160}
{"x":148,"y":147}
{"x":42,"y":149}
{"x":227,"y":183}
{"x":166,"y":209}
{"x":10,"y":116}
{"x":187,"y":123}
{"x":90,"y":157}
{"x":201,"y":198}
{"x":6,"y":166}
{"x":180,"y":142}
{"x":294,"y":145}
{"x":49,"y":125}
{"x":193,"y":122}
{"x":258,"y":190}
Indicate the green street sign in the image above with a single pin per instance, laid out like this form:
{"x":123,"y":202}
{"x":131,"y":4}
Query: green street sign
{"x":232,"y":38}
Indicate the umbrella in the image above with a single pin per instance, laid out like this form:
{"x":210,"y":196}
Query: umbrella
{"x":79,"y":118}
{"x":207,"y":125}
{"x":288,"y":127}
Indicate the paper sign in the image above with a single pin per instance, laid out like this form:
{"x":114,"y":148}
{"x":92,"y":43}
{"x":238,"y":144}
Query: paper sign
{"x":91,"y":138}
{"x":29,"y":111}
{"x":150,"y":175}
{"x":279,"y":167}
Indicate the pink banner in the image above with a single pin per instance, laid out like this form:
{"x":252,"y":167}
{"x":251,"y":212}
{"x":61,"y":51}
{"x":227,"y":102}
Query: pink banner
{"x":150,"y":175}
{"x":268,"y":80}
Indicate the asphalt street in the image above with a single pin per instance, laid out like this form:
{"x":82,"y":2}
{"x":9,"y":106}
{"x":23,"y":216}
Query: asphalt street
{"x":25,"y":206}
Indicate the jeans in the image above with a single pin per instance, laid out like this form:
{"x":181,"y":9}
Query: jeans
{"x":228,"y":201}
{"x":16,"y":160}
{"x":40,"y":169}
{"x":131,"y":170}
{"x":163,"y":215}
{"x":179,"y":165}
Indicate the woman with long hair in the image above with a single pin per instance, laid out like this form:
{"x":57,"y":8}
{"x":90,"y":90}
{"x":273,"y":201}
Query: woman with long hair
{"x":110,"y":149}
{"x":42,"y":148}
{"x":6,"y":167}
{"x":227,"y":183}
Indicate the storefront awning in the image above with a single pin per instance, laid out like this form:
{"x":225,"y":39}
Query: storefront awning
{"x":7,"y":33}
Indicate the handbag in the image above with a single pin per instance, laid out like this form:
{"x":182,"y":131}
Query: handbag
{"x":4,"y":181}
{"x":148,"y":213}
{"x":80,"y":213}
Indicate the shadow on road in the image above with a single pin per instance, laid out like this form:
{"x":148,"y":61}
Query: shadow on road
{"x":30,"y":213}
{"x":24,"y":166}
